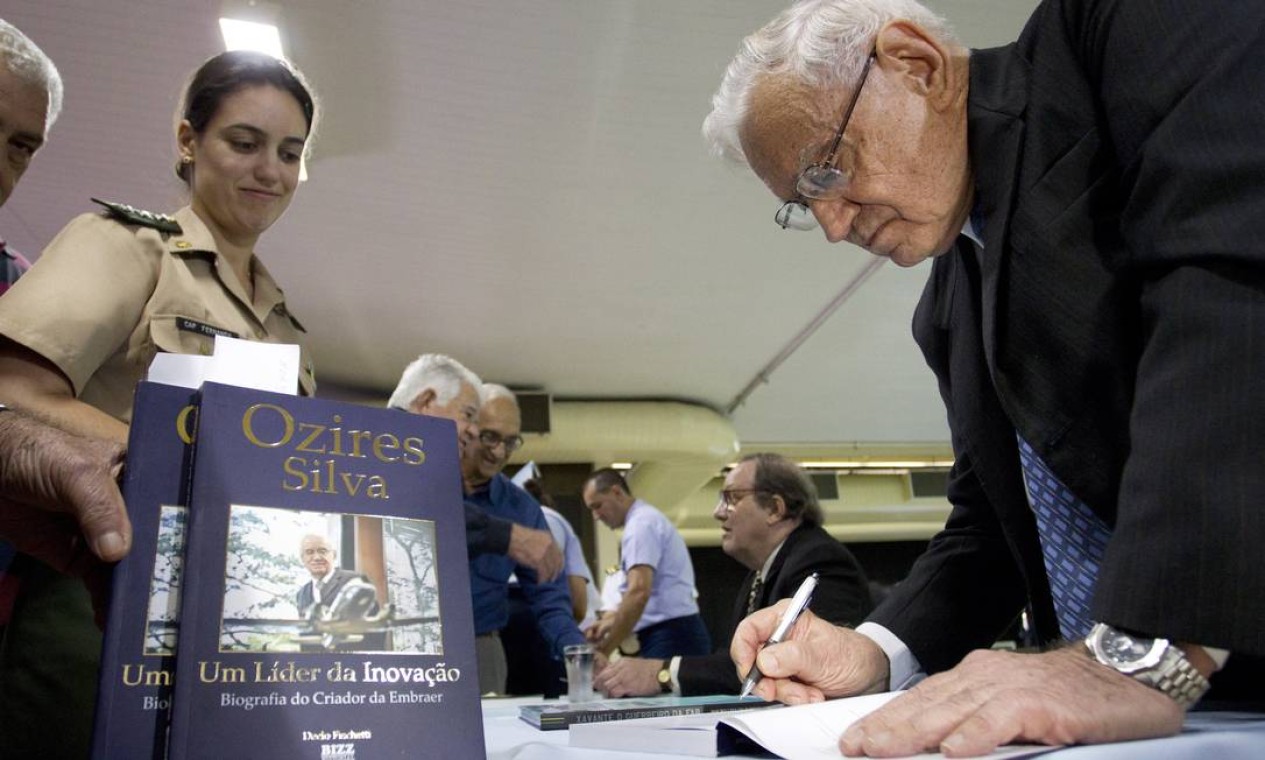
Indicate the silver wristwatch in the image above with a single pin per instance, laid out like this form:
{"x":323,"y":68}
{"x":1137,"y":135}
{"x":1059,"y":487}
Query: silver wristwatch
{"x":1154,"y":662}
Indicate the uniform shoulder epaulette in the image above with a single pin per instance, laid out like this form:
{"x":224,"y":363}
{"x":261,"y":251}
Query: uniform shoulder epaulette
{"x":133,"y":215}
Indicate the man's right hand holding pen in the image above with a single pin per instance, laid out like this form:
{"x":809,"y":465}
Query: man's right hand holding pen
{"x":816,"y":661}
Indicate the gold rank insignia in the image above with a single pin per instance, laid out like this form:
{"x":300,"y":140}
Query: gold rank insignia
{"x":132,"y":215}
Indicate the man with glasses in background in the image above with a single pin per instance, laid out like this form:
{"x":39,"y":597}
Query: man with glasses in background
{"x":440,"y":386}
{"x":488,"y":489}
{"x":770,"y":521}
{"x":1092,"y":198}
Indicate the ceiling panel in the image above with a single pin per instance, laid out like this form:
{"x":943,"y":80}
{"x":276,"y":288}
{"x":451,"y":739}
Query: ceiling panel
{"x":522,"y":185}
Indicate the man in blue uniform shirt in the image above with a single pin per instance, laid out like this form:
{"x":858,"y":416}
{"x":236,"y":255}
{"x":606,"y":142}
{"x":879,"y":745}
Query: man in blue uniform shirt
{"x":658,"y":601}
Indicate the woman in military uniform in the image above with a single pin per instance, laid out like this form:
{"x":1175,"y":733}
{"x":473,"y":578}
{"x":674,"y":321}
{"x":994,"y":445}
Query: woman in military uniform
{"x":112,"y":290}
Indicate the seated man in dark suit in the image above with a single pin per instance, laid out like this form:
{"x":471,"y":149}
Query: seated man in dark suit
{"x":328,"y":579}
{"x":771,"y":523}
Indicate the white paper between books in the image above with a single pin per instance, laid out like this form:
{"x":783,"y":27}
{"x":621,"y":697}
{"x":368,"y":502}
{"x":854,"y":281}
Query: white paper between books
{"x":801,"y":732}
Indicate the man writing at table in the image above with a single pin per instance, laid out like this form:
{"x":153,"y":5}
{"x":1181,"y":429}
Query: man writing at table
{"x":1092,"y":197}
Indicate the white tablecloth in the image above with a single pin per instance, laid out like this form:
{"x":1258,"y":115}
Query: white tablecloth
{"x":1215,"y":736}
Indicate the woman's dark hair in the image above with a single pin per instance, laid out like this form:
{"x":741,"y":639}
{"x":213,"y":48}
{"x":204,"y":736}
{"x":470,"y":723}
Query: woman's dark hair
{"x":228,"y":72}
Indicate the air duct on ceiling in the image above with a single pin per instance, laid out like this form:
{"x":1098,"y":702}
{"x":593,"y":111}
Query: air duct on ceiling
{"x":677,"y":447}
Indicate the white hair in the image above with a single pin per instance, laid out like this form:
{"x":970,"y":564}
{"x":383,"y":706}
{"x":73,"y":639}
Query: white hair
{"x":493,"y":391}
{"x":320,"y":537}
{"x":27,"y":62}
{"x":823,"y":43}
{"x":441,"y":374}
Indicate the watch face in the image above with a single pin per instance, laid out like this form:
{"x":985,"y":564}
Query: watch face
{"x":1124,"y":649}
{"x":1126,"y":652}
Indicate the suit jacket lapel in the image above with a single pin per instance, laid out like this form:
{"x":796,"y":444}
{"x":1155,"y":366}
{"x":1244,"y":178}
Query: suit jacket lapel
{"x":775,"y":570}
{"x":995,"y":134}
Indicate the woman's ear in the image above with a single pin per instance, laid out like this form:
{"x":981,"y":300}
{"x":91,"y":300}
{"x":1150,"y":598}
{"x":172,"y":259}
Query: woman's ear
{"x":186,"y":139}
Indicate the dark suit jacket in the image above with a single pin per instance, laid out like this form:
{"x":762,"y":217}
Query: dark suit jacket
{"x":329,"y":589}
{"x":842,"y":596}
{"x":1115,"y":319}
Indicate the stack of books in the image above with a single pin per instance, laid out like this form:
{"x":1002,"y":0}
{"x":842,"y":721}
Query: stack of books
{"x":297,"y":586}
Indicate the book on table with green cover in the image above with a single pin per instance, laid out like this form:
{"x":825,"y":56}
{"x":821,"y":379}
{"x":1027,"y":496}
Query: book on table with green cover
{"x":560,"y":715}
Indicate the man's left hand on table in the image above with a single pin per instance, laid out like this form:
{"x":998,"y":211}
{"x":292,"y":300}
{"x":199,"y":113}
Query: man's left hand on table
{"x":994,"y":698}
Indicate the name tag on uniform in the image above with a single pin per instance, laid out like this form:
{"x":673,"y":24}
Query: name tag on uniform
{"x":202,"y":328}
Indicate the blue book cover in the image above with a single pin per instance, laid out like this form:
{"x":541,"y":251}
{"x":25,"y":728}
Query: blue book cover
{"x":138,"y":647}
{"x":326,"y":603}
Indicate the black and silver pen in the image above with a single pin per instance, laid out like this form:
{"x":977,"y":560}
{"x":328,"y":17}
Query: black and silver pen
{"x":799,"y":603}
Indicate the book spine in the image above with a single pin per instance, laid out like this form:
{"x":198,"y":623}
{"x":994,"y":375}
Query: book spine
{"x":649,"y":712}
{"x":135,"y":684}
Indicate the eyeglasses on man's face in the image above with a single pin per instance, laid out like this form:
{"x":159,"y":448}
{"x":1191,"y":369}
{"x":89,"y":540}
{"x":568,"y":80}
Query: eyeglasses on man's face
{"x":731,"y":496}
{"x":492,"y":439}
{"x":822,"y":181}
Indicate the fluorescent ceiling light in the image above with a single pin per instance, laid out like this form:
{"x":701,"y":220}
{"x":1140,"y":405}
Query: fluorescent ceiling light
{"x":621,"y":465}
{"x":917,"y":464}
{"x":251,"y":35}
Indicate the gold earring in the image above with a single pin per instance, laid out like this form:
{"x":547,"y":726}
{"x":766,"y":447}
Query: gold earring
{"x":186,"y":159}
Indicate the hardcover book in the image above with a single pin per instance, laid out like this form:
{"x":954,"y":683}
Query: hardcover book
{"x":137,"y":655}
{"x":800,"y":732}
{"x":553,"y":717}
{"x":326,"y":611}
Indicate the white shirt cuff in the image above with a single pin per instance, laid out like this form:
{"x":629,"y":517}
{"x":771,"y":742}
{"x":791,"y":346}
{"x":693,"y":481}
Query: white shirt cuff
{"x":674,"y":667}
{"x":1219,"y":656}
{"x":903,"y":668}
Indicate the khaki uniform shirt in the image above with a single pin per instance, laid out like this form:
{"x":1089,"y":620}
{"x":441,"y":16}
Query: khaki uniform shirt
{"x":106,"y":296}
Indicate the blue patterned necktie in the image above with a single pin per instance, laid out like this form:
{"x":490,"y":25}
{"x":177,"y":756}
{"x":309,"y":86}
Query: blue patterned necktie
{"x":1073,"y":541}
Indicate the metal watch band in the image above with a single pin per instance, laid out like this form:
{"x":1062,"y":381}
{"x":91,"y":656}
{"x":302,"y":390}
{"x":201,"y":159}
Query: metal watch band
{"x":1177,"y":678}
{"x":1172,"y":673}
